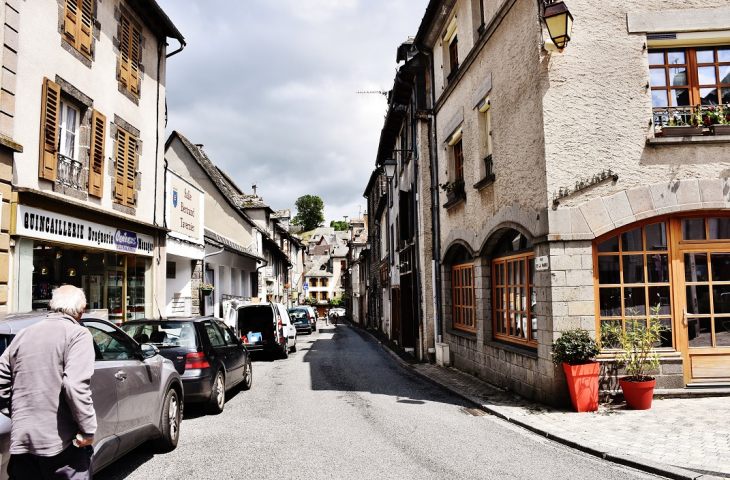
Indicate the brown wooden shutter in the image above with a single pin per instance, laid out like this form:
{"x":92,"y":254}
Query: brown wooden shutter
{"x":120,"y":174}
{"x":124,"y":52}
{"x":130,"y":170}
{"x":86,"y":27}
{"x":96,"y":154}
{"x":50,"y":123}
{"x":70,"y":21}
{"x":134,"y":61}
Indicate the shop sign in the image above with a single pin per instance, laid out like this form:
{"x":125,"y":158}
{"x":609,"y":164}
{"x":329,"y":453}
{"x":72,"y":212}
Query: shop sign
{"x":185,"y":209}
{"x":36,"y":223}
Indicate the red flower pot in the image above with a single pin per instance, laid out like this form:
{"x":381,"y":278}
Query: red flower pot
{"x":638,"y":395}
{"x":583,"y":385}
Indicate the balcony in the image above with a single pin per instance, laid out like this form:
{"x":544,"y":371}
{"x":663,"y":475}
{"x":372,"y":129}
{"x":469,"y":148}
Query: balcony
{"x":71,"y":173}
{"x":691,"y":124}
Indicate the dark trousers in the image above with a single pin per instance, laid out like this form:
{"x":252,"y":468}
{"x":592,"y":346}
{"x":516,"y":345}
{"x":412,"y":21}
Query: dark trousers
{"x":71,"y":464}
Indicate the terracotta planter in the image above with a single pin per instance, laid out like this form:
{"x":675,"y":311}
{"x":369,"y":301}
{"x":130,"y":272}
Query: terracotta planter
{"x":720,"y":129}
{"x":684,"y":131}
{"x":638,"y":395}
{"x":583,"y":385}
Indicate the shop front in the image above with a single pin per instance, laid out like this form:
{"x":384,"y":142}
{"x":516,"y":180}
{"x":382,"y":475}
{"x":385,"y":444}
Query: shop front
{"x":676,"y":269}
{"x":112,"y":265}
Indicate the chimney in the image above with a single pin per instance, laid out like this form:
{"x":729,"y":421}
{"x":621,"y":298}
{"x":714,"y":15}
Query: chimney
{"x":199,"y":145}
{"x":254,"y":186}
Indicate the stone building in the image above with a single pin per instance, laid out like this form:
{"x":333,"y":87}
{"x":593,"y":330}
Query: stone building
{"x":565,"y":197}
{"x":83,"y":92}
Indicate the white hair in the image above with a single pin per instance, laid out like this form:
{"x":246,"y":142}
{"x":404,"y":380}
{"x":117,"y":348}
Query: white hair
{"x":69,"y":300}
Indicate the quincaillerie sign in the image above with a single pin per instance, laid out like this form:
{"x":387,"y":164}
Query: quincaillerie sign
{"x":54,"y":227}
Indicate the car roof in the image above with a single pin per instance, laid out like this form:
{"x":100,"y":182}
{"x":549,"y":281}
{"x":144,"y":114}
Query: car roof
{"x":12,"y":323}
{"x":167,"y":320}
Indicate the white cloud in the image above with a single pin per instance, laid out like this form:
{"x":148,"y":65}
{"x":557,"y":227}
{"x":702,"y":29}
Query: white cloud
{"x":269,"y":87}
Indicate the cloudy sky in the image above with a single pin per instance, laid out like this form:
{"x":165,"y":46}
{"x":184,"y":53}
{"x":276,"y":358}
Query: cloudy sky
{"x":269,"y":88}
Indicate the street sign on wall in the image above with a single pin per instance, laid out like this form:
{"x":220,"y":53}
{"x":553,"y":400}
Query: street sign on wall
{"x":306,"y":286}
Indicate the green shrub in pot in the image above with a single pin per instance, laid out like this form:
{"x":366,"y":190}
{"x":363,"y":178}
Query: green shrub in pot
{"x":575,"y":350}
{"x":574,"y":347}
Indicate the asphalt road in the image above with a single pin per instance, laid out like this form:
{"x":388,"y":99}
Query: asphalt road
{"x":340,"y":407}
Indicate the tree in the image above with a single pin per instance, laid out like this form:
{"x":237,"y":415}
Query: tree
{"x":310,"y":301}
{"x":338,"y":301}
{"x":340,"y":226}
{"x":309,"y":212}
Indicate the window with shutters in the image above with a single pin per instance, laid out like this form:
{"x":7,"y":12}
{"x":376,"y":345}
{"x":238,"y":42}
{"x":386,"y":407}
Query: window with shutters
{"x":129,"y":55}
{"x":126,"y":166}
{"x":78,"y":24}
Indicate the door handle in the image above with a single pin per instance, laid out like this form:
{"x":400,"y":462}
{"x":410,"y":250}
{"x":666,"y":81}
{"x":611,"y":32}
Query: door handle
{"x":684,"y":317}
{"x":120,"y":375}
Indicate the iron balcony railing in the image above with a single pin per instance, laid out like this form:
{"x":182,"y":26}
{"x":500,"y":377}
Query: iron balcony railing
{"x":71,"y":173}
{"x":701,"y":117}
{"x":226,"y":297}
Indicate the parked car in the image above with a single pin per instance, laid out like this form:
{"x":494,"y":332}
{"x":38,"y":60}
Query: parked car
{"x":312,"y":314}
{"x":128,"y":413}
{"x":264,"y":327}
{"x":208,"y":355}
{"x":301,"y":320}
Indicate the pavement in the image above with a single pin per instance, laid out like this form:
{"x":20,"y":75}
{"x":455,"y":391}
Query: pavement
{"x":680,"y":438}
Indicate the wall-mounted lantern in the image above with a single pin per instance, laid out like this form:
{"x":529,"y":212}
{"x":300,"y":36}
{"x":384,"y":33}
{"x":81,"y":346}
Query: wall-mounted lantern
{"x":389,"y":167}
{"x":559,"y":22}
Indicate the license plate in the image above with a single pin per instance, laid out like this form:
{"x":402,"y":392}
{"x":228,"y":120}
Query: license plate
{"x":254,"y":337}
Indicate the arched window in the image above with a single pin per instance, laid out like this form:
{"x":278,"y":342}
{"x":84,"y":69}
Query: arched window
{"x":462,"y":289}
{"x":513,"y":290}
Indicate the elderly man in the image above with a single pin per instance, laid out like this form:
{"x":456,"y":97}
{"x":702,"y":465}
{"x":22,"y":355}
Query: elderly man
{"x":44,"y":379}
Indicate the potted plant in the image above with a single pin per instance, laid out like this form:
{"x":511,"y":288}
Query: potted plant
{"x":677,"y":127}
{"x":576,"y":350}
{"x":636,"y":353}
{"x":206,"y":289}
{"x":454,"y":190}
{"x":717,"y":118}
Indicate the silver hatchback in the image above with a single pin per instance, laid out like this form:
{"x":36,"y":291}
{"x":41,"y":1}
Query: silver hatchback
{"x":137,"y":393}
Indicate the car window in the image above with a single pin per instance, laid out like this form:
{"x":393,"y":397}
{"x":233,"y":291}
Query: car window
{"x":226,"y":333}
{"x":111,"y":343}
{"x":214,"y":335}
{"x":162,"y":334}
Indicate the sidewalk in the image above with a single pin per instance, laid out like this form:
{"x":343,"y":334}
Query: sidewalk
{"x":681,"y":438}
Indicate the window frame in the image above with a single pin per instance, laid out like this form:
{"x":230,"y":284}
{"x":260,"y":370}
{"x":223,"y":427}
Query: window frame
{"x":670,"y":251}
{"x":509,"y":308}
{"x":463,"y":298}
{"x":453,"y":50}
{"x":458,"y":150}
{"x":63,"y":129}
{"x":692,"y":65}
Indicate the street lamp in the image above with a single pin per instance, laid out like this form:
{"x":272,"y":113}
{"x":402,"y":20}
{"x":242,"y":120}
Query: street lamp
{"x":559,"y":22}
{"x":389,"y":167}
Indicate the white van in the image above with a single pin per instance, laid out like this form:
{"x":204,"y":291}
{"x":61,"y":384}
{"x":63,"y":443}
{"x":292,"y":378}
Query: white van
{"x":263,"y":326}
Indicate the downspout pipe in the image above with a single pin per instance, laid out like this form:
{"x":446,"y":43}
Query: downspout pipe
{"x":435,"y":210}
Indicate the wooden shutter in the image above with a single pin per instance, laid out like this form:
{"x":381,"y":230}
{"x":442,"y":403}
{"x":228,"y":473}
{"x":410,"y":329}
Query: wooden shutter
{"x":120,"y":174}
{"x":70,"y":21}
{"x":96,"y":154}
{"x":50,"y":123}
{"x":130,"y":170}
{"x":124,"y":52}
{"x":134,"y":61}
{"x":86,"y":27}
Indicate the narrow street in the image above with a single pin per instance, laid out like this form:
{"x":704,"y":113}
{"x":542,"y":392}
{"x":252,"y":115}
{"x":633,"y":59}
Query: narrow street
{"x":340,"y":407}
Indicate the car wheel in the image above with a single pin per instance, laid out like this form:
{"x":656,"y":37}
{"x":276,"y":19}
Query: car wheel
{"x":217,"y":395}
{"x":285,"y":352}
{"x":247,"y":376}
{"x":170,"y":424}
{"x":294,"y":347}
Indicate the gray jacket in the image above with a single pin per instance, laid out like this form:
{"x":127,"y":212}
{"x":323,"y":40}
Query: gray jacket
{"x":45,"y":377}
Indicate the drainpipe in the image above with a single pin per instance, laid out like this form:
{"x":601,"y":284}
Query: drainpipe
{"x":435,"y":213}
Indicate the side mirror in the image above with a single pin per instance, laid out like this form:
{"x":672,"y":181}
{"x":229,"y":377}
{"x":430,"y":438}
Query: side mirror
{"x":148,"y":350}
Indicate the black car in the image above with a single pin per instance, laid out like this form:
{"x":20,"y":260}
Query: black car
{"x":206,"y":353}
{"x":301,"y":320}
